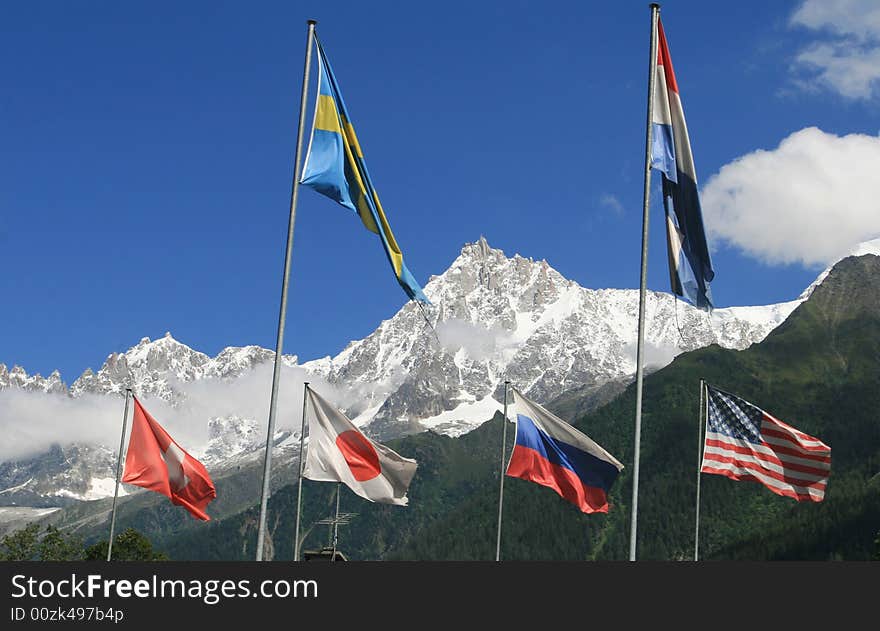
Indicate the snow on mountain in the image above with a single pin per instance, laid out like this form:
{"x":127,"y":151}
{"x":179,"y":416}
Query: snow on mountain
{"x":500,"y":318}
{"x":59,"y":476}
{"x":231,"y":436}
{"x":164,"y":369}
{"x":866,"y":247}
{"x":496,"y":317}
{"x":161,"y":368}
{"x":18,"y":378}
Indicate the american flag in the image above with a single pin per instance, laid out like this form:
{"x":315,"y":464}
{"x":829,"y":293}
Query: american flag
{"x":743,"y":442}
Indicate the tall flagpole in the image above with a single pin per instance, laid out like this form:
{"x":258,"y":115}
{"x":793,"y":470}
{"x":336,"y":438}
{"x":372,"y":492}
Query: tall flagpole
{"x":655,"y":13}
{"x":700,"y":444}
{"x":302,"y":466}
{"x":501,"y":490}
{"x":336,"y":521}
{"x":118,"y":474}
{"x":267,"y":461}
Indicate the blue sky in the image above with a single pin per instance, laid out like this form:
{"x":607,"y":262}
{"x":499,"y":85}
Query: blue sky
{"x":146,"y":154}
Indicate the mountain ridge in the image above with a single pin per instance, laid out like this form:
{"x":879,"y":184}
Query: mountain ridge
{"x":496,"y":318}
{"x":793,"y":374}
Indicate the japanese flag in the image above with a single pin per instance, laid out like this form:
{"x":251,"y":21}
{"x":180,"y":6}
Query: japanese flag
{"x":338,"y":452}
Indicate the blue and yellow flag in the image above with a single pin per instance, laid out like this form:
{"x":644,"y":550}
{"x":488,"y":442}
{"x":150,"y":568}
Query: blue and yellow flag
{"x":335,"y":167}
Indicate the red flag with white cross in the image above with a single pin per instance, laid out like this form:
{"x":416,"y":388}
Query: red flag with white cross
{"x":155,"y":462}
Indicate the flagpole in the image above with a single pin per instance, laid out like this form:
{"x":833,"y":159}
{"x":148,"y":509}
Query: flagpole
{"x":699,"y":466}
{"x":336,"y":520}
{"x":294,"y":191}
{"x":655,"y":13}
{"x":501,"y":490}
{"x":302,"y":464}
{"x":118,"y":474}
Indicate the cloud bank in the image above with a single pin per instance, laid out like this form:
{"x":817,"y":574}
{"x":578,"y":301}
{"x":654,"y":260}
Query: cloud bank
{"x":30,"y":422}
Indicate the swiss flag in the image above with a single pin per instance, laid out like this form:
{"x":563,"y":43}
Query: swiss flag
{"x":154,"y":461}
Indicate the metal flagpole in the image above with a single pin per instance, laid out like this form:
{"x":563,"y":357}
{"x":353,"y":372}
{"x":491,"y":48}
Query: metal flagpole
{"x":699,"y":466}
{"x":336,"y":521}
{"x":267,"y":462}
{"x":655,"y":13}
{"x":302,"y":466}
{"x":118,"y":474}
{"x":501,"y":490}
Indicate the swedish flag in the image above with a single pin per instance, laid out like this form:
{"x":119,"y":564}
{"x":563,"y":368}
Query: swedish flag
{"x":335,"y":167}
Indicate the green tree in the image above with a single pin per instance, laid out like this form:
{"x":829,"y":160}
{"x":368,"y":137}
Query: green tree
{"x":129,"y":545}
{"x":20,"y":545}
{"x":28,"y":544}
{"x":57,"y":546}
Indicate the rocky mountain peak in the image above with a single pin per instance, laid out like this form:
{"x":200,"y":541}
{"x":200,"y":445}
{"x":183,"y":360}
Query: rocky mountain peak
{"x":866,"y":247}
{"x":851,"y":290}
{"x":494,"y":318}
{"x":18,"y":377}
{"x":499,"y":316}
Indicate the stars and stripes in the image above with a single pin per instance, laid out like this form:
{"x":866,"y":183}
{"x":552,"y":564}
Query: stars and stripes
{"x":743,"y":442}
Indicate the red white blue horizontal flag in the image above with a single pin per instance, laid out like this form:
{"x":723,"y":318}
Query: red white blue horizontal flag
{"x":690,"y":267}
{"x":552,"y":453}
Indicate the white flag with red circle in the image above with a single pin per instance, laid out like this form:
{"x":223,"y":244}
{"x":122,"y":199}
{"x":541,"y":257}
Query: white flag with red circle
{"x":338,"y":452}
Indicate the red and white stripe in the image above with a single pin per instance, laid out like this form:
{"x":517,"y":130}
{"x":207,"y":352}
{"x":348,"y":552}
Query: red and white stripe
{"x":788,"y":461}
{"x":667,"y":108}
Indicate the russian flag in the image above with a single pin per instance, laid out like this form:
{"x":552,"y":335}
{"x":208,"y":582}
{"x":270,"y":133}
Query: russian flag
{"x":690,"y":267}
{"x":552,"y":453}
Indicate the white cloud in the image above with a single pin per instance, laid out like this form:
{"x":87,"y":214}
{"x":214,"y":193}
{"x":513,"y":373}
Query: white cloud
{"x":849,"y":61}
{"x":30,"y":422}
{"x":478,"y":341}
{"x":656,"y":357}
{"x":808,"y":201}
{"x":851,"y":72}
{"x":858,"y":18}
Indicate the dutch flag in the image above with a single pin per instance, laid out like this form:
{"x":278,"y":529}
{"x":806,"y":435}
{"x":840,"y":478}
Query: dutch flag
{"x":690,"y":267}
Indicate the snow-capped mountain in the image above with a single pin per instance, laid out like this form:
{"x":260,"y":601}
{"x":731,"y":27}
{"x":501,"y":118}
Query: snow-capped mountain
{"x":163,"y":367}
{"x":494,"y":318}
{"x":60,"y":476}
{"x":866,"y":247}
{"x":516,"y":319}
{"x":18,"y":378}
